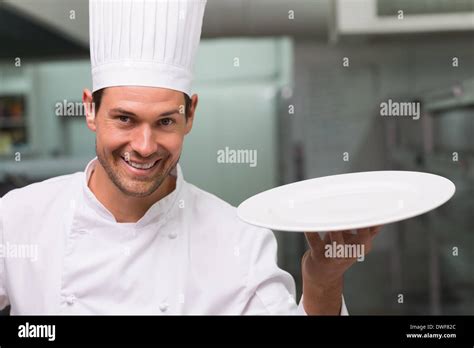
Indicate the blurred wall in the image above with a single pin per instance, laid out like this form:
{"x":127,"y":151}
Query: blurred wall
{"x":336,"y":111}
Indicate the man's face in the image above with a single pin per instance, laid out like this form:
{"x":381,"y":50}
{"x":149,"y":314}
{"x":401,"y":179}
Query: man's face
{"x":139,"y":136}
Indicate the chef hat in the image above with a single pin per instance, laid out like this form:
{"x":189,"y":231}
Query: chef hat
{"x":144,"y":42}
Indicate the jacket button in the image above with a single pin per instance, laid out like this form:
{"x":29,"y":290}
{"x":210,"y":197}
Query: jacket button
{"x":164,"y":306}
{"x":70,"y":299}
{"x":172,"y":235}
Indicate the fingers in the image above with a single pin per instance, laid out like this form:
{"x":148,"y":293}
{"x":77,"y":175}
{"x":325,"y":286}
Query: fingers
{"x":340,"y":238}
{"x":347,"y":235}
{"x":359,"y":237}
{"x":314,"y":240}
{"x":375,"y":230}
{"x":337,"y":237}
{"x":327,"y":237}
{"x":363,"y":237}
{"x":365,"y":240}
{"x":363,"y":234}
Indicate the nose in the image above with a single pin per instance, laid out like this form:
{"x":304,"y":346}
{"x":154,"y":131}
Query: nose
{"x":143,"y":142}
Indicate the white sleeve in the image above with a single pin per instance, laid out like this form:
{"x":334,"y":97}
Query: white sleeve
{"x":3,"y":293}
{"x":301,"y":310}
{"x":271,"y":290}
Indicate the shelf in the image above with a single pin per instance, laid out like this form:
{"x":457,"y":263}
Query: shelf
{"x":8,"y":123}
{"x":41,"y":168}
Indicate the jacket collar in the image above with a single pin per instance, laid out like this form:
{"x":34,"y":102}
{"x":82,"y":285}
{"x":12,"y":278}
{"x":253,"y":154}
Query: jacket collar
{"x":158,"y":212}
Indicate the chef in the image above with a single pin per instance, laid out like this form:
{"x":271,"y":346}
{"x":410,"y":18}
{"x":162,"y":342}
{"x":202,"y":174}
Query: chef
{"x":129,"y":235}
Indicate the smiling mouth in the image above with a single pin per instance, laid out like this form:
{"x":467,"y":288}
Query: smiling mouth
{"x":142,"y":166}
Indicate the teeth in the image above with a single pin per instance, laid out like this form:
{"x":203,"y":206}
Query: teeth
{"x":140,"y":166}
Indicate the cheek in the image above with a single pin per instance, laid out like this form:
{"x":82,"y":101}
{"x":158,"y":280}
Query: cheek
{"x":110,"y":139}
{"x":172,"y":143}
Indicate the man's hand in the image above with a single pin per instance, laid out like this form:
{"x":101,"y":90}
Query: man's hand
{"x":323,"y":272}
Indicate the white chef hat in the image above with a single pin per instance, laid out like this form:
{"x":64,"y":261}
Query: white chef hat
{"x":144,"y":42}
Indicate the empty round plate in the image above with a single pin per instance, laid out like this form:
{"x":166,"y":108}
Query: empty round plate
{"x":347,"y":201}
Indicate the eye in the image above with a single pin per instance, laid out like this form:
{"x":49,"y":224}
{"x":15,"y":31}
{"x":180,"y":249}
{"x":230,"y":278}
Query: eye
{"x":166,"y":121}
{"x":124,"y":119}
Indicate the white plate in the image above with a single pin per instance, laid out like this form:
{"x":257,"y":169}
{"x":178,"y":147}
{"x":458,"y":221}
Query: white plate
{"x":347,"y":201}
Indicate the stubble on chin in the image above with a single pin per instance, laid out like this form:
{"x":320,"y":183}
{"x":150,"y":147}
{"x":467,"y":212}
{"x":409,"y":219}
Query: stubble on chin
{"x":130,"y":187}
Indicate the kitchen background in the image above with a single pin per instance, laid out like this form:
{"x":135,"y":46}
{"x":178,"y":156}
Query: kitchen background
{"x":301,"y":82}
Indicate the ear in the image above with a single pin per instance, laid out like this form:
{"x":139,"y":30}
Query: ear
{"x":89,"y":108}
{"x":192,"y":110}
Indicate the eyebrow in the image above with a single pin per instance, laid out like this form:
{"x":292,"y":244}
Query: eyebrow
{"x":129,"y":113}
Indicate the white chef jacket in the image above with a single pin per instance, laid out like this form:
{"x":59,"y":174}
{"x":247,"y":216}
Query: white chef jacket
{"x":189,"y":254}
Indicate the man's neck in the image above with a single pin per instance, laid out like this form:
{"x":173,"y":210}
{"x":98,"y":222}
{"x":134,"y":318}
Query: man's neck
{"x":125,"y":208}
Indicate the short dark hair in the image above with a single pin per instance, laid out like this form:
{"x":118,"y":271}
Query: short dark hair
{"x":97,"y":99}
